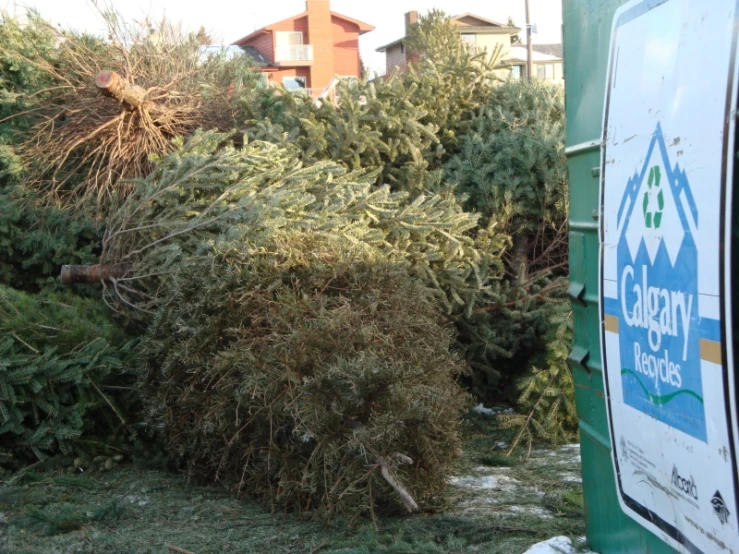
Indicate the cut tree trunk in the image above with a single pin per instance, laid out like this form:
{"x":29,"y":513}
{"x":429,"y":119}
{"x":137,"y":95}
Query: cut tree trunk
{"x":110,"y":84}
{"x":520,"y":260}
{"x":99,"y":273}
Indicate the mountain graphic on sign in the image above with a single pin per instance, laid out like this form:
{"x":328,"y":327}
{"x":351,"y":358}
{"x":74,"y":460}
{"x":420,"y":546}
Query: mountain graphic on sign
{"x":658,"y":308}
{"x":656,"y":197}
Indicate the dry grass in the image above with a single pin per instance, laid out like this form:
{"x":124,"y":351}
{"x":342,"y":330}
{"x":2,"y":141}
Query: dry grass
{"x":130,"y":510}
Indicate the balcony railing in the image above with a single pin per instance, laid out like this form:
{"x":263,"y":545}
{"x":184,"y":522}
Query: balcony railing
{"x":295,"y":53}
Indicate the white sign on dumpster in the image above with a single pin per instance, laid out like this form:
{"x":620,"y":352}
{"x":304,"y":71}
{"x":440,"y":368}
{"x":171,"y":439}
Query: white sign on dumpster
{"x":666,"y":173}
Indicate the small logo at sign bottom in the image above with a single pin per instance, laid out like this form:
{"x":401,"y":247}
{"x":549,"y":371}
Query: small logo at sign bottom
{"x":719,"y":506}
{"x":684,"y":484}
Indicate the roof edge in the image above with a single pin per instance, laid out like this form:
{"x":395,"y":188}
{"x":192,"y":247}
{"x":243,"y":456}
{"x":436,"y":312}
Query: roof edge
{"x":518,"y":53}
{"x":363,"y":27}
{"x":490,"y":30}
{"x":482,"y":30}
{"x":489,"y":21}
{"x":384,"y":47}
{"x":242,"y":40}
{"x":268,"y":28}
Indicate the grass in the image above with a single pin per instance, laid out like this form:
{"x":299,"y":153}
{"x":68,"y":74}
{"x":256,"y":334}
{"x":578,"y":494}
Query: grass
{"x":134,"y":510}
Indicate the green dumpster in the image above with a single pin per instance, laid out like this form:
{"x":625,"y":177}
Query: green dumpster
{"x":651,"y":97}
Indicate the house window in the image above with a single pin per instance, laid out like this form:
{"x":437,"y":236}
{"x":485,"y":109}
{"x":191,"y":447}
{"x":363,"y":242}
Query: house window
{"x":515,"y":72}
{"x":286,"y":39}
{"x":289,"y":47}
{"x":294,"y":83}
{"x":470,"y":41}
{"x":545,"y":71}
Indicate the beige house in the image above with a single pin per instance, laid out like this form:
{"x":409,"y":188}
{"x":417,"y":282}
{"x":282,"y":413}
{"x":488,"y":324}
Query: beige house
{"x":482,"y":34}
{"x":546,"y":61}
{"x":479,"y":33}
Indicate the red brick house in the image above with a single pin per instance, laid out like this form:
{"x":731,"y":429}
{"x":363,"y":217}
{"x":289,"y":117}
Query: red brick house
{"x":307,"y":50}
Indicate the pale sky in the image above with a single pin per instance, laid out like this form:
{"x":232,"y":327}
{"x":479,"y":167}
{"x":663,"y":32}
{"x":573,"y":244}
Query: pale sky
{"x":228,"y":20}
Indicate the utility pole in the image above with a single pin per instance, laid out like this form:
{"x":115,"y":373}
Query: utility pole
{"x":529,"y":46}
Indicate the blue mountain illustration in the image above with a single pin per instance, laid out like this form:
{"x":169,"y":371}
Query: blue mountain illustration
{"x":657,"y":305}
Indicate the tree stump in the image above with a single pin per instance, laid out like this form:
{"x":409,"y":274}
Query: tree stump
{"x":112,"y":85}
{"x":72,"y":274}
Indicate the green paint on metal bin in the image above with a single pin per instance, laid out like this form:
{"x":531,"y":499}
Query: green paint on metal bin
{"x":587,"y":29}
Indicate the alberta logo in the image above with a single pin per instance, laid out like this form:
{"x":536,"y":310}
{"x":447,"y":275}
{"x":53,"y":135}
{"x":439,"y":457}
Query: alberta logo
{"x":684,"y":484}
{"x":719,"y":508}
{"x":657,"y":305}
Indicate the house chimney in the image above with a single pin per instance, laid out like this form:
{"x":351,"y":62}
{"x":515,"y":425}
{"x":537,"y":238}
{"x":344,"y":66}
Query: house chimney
{"x":322,"y":5}
{"x":320,"y":36}
{"x":411,"y":18}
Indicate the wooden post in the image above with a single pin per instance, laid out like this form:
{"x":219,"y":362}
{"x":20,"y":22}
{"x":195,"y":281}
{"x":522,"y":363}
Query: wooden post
{"x":529,"y":46}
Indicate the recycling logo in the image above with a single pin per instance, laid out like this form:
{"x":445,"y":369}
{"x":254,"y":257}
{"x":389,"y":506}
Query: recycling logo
{"x":654,"y":199}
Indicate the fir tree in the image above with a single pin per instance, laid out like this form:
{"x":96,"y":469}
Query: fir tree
{"x":405,"y":126}
{"x":205,"y":195}
{"x":296,"y":346}
{"x":306,"y":370}
{"x":37,"y":239}
{"x":547,"y":400}
{"x":511,"y":169}
{"x":58,"y":355}
{"x":83,"y":113}
{"x":435,"y":38}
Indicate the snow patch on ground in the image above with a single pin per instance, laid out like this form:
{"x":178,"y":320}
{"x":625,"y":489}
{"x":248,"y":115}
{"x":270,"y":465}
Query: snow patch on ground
{"x":565,"y":455}
{"x":570,"y":477}
{"x":503,"y":491}
{"x":468,"y":481}
{"x":555,"y":545}
{"x":529,"y":510}
{"x":488,"y":469}
{"x":482,"y":410}
{"x":486,"y":482}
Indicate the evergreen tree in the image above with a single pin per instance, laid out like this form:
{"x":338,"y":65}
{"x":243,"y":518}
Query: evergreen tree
{"x":83,"y":113}
{"x":511,"y":169}
{"x":207,"y":194}
{"x":514,"y":156}
{"x":37,"y":239}
{"x":296,"y":346}
{"x":22,"y":84}
{"x":406,"y":126}
{"x":435,"y":38}
{"x":58,"y":356}
{"x":305,"y":369}
{"x":547,"y":401}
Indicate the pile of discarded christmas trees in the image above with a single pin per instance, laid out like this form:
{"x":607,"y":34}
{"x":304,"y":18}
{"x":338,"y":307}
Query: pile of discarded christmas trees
{"x":274,"y":314}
